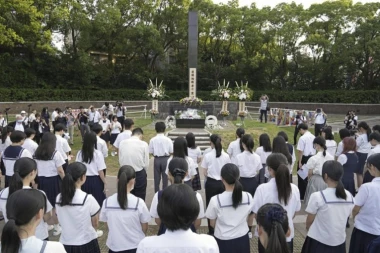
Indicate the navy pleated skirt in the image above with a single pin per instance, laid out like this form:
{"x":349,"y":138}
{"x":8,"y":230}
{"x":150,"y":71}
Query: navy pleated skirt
{"x":313,"y":246}
{"x":113,"y":138}
{"x":360,"y":241}
{"x":94,"y":186}
{"x":362,"y":158}
{"x":238,"y":245}
{"x":91,"y":247}
{"x":124,"y":251}
{"x":196,"y":182}
{"x":7,"y":180}
{"x":249,"y":184}
{"x":51,"y":186}
{"x":349,"y":184}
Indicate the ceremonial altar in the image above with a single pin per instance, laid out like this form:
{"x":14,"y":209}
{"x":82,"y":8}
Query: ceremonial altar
{"x":190,"y":118}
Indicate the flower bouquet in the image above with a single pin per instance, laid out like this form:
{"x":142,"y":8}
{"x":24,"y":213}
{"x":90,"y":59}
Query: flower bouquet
{"x":242,"y":114}
{"x":242,"y":92}
{"x":223,"y":92}
{"x":155,"y":91}
{"x":191,"y":101}
{"x":153,"y":112}
{"x":225,"y":113}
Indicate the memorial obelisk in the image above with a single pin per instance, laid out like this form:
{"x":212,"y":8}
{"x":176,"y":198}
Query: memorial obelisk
{"x":193,"y":53}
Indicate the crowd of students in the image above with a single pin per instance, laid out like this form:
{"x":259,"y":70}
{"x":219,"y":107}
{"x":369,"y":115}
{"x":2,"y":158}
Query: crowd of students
{"x":241,"y":186}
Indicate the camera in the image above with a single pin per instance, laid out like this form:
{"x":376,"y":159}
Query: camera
{"x":7,"y":109}
{"x":319,"y":110}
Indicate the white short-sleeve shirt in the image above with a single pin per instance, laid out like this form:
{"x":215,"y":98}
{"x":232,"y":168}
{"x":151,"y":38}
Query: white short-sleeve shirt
{"x":153,"y":206}
{"x":248,"y":163}
{"x":368,"y":198}
{"x":179,"y":241}
{"x":342,"y":159}
{"x":115,"y":127}
{"x":4,"y":145}
{"x":192,"y":168}
{"x":194,"y":153}
{"x":339,"y":150}
{"x":105,"y":124}
{"x":102,"y":146}
{"x":125,"y":232}
{"x":329,"y":226}
{"x":97,"y":164}
{"x":62,"y":146}
{"x":10,"y":163}
{"x":263,"y":155}
{"x":30,"y":145}
{"x":121,"y":137}
{"x":375,"y":150}
{"x":305,"y":144}
{"x":160,"y":145}
{"x":75,"y":219}
{"x":316,"y":162}
{"x":214,"y":164}
{"x":331,"y":147}
{"x":267,"y":193}
{"x":319,"y":118}
{"x":362,"y":144}
{"x":33,"y":244}
{"x":230,"y":223}
{"x":234,"y":149}
{"x":49,"y":168}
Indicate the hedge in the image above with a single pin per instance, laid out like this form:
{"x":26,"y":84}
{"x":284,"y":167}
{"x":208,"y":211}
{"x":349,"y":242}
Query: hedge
{"x":328,"y":96}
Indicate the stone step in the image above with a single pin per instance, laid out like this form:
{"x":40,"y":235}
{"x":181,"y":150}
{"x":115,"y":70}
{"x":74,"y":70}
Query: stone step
{"x":182,"y":133}
{"x":197,"y":138}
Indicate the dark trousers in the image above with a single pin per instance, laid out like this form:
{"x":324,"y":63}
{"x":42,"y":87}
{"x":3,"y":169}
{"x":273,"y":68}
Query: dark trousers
{"x":213,"y":187}
{"x":121,"y":121}
{"x":302,"y":183}
{"x":159,"y":171}
{"x":140,"y":184}
{"x":296,"y":131}
{"x":124,"y":251}
{"x":318,"y":129}
{"x":265,"y":113}
{"x":262,"y":249}
{"x":83,"y":130}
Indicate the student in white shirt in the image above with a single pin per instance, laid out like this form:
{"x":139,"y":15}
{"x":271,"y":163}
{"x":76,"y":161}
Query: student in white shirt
{"x":93,"y":159}
{"x":306,"y":150}
{"x":127,"y":216}
{"x":194,"y":153}
{"x":278,"y":190}
{"x":126,"y":134}
{"x":212,"y":165}
{"x":330,"y":143}
{"x":54,"y":115}
{"x":292,"y":152}
{"x":29,"y":143}
{"x":374,"y":139}
{"x":279,"y":146}
{"x":273,"y":228}
{"x":160,"y":147}
{"x":178,"y":208}
{"x":3,"y":121}
{"x":25,"y":210}
{"x":178,"y":169}
{"x":94,"y":116}
{"x":314,"y":166}
{"x":328,"y":211}
{"x":320,"y":118}
{"x":62,"y":146}
{"x":363,"y":147}
{"x":264,"y":150}
{"x":263,"y":108}
{"x":343,"y":133}
{"x":115,"y":129}
{"x":180,"y":150}
{"x":5,"y":138}
{"x":12,"y":153}
{"x":77,"y":212}
{"x":25,"y":174}
{"x":376,"y":128}
{"x":107,"y":109}
{"x":105,"y":123}
{"x":366,"y":210}
{"x":101,"y":145}
{"x":228,"y":213}
{"x":235,"y":147}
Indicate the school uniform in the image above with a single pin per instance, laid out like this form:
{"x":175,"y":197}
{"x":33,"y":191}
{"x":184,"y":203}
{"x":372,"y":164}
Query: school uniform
{"x":363,"y":148}
{"x":299,"y":120}
{"x":115,"y":131}
{"x":268,"y":193}
{"x":349,"y":161}
{"x":54,"y":115}
{"x":263,"y":110}
{"x":10,"y":155}
{"x":30,"y":145}
{"x":231,"y":227}
{"x":106,"y":124}
{"x":71,"y":127}
{"x":264,"y":173}
{"x":327,"y":233}
{"x":94,"y":117}
{"x":101,"y":145}
{"x":42,"y":227}
{"x":367,"y":176}
{"x":305,"y":144}
{"x":367,"y":221}
{"x":94,"y":184}
{"x":160,"y":147}
{"x":63,"y":147}
{"x":249,"y":165}
{"x":374,"y":246}
{"x":195,"y":154}
{"x":331,"y":147}
{"x":234,"y":149}
{"x":191,"y":170}
{"x":178,"y":241}
{"x":34,"y":245}
{"x":108,"y":110}
{"x":78,"y":235}
{"x":154,"y":213}
{"x":316,"y":182}
{"x":124,"y":226}
{"x":120,"y":114}
{"x":83,"y":123}
{"x":319,"y":123}
{"x":294,"y":159}
{"x":214,"y":185}
{"x":339,"y":149}
{"x":125,"y":135}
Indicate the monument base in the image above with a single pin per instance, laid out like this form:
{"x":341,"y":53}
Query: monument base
{"x":190,"y":123}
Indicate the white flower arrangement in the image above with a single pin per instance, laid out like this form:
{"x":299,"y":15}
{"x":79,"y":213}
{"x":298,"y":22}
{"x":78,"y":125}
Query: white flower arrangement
{"x":223,"y":92}
{"x":242,"y":92}
{"x":155,"y":91}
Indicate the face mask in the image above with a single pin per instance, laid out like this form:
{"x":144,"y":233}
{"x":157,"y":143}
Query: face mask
{"x":19,"y":121}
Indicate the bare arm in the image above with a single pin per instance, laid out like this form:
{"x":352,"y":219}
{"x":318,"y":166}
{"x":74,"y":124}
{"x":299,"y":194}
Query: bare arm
{"x":144,"y":227}
{"x":60,"y":171}
{"x":95,"y":221}
{"x":212,"y":223}
{"x":197,"y":223}
{"x":309,"y":220}
{"x":102,"y":177}
{"x":355,"y":211}
{"x":158,"y":221}
{"x":300,"y":154}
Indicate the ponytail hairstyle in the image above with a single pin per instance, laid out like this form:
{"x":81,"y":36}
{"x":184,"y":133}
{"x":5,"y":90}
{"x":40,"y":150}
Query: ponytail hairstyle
{"x":74,"y":172}
{"x":278,"y":163}
{"x":321,"y":142}
{"x":217,"y":141}
{"x":264,"y":141}
{"x":365,"y":126}
{"x":125,"y":174}
{"x":239,"y":133}
{"x":22,"y":207}
{"x":231,"y":174}
{"x":274,"y":221}
{"x":334,"y":170}
{"x":22,"y":168}
{"x":248,"y":142}
{"x":180,"y":147}
{"x":178,"y":168}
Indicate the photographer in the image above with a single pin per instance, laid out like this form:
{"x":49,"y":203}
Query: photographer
{"x":94,"y":116}
{"x":108,"y":110}
{"x":82,"y":120}
{"x":351,"y":120}
{"x":264,"y":108}
{"x":319,"y":121}
{"x":61,"y":118}
{"x":3,"y":121}
{"x":120,"y":113}
{"x":70,"y":124}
